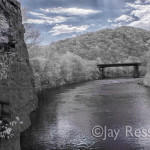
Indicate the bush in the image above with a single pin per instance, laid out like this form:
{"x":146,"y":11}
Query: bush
{"x":61,"y":69}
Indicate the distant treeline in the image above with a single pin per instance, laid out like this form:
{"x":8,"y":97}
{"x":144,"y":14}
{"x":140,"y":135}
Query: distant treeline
{"x":74,"y":60}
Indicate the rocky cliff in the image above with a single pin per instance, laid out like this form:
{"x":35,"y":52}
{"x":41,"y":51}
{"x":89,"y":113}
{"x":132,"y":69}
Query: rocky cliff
{"x":17,"y":95}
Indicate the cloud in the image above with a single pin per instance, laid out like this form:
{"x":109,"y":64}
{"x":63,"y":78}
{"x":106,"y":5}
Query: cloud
{"x":109,"y":20}
{"x":143,"y":22}
{"x":139,"y":15}
{"x":147,"y":1}
{"x":125,"y":18}
{"x":116,"y":25}
{"x":138,"y":2}
{"x":35,"y":21}
{"x":66,"y":29}
{"x":70,"y":11}
{"x":141,"y":11}
{"x":37,"y":14}
{"x":43,"y":19}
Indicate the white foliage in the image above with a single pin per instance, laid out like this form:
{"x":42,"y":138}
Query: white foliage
{"x":76,"y":59}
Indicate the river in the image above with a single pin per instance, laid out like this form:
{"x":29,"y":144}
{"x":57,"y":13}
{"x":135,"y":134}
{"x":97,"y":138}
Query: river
{"x":67,"y":116}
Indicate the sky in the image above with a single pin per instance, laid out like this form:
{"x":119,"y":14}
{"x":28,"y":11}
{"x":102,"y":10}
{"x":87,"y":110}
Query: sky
{"x":61,"y":19}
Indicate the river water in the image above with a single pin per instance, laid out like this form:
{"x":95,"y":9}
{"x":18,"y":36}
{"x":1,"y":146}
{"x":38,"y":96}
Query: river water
{"x":67,"y":116}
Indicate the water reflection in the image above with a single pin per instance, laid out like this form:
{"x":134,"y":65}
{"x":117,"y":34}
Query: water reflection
{"x":66,"y":116}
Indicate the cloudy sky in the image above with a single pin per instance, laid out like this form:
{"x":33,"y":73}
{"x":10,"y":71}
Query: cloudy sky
{"x":60,"y":19}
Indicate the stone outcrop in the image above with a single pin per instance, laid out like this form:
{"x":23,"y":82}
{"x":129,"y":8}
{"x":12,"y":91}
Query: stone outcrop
{"x":17,"y":94}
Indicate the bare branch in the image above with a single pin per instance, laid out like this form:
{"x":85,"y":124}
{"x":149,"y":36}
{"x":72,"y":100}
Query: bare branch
{"x":32,"y":36}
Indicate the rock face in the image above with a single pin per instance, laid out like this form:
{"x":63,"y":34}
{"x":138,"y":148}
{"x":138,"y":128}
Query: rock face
{"x":17,"y":94}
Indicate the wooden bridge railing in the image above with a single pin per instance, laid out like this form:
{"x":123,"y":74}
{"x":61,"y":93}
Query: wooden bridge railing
{"x":135,"y":65}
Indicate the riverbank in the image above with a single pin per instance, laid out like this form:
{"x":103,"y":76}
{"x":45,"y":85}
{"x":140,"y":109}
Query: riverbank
{"x":138,"y":80}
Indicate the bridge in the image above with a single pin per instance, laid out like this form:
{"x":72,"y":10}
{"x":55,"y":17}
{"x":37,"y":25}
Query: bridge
{"x":135,"y":65}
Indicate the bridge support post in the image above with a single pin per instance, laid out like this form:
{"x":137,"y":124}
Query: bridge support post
{"x":136,"y":72}
{"x":103,"y":73}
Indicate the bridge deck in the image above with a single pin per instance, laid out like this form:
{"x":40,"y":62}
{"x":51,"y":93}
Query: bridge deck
{"x":118,"y":65}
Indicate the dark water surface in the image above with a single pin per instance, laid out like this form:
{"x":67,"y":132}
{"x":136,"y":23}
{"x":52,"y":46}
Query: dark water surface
{"x":66,"y":116}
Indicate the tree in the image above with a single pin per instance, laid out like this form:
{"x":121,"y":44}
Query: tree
{"x":32,"y":36}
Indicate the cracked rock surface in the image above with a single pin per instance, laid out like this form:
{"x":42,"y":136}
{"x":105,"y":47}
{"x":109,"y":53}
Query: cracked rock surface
{"x":17,"y":94}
